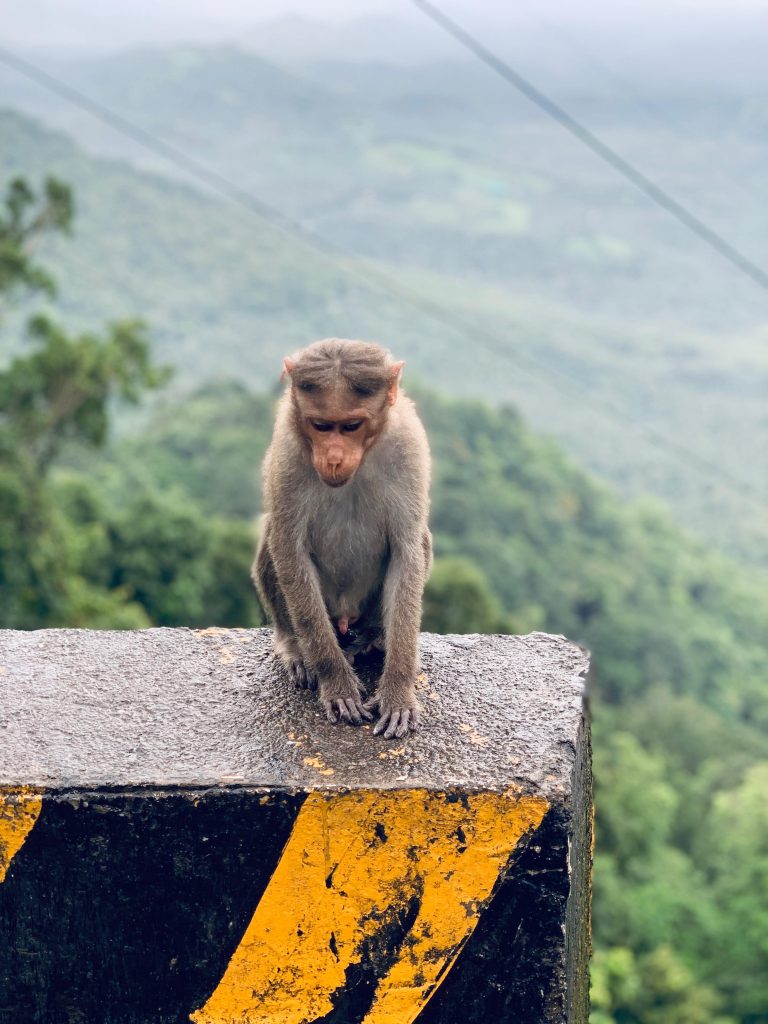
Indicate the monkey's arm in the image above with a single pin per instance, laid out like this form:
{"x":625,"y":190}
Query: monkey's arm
{"x":339,"y":689}
{"x":401,"y":604}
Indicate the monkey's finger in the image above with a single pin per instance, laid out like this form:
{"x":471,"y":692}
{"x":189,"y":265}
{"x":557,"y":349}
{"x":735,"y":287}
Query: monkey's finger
{"x":330,"y":714}
{"x":381,"y":724}
{"x":402,"y":728}
{"x":392,"y":728}
{"x":343,"y":712}
{"x":358,"y":711}
{"x":353,"y":714}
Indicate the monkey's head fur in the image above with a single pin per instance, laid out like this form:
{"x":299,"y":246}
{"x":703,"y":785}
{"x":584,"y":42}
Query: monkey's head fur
{"x":341,"y":393}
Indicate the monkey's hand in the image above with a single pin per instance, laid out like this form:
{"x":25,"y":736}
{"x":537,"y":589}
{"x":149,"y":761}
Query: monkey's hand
{"x":399,"y":711}
{"x":341,"y":695}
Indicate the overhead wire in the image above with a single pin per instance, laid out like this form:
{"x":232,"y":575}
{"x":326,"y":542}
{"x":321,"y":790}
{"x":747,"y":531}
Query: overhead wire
{"x":353,"y":264}
{"x":606,"y":153}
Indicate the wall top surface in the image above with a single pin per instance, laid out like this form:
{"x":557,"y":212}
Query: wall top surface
{"x":167,"y":708}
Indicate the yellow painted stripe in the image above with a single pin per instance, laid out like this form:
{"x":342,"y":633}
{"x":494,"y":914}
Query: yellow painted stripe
{"x":354,"y":865}
{"x":19,"y":810}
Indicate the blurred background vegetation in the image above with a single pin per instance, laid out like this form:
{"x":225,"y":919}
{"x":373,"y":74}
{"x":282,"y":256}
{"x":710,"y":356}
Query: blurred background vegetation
{"x":595,"y":393}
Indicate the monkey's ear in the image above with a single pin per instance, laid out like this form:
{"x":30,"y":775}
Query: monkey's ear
{"x":289,"y":365}
{"x":394,"y":378}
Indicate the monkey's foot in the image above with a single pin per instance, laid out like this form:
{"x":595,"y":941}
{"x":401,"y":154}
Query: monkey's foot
{"x":397,"y":716}
{"x":344,"y":702}
{"x":288,"y":652}
{"x":301,"y":676}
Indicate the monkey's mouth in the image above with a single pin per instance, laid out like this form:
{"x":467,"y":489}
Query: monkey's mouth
{"x":335,"y":481}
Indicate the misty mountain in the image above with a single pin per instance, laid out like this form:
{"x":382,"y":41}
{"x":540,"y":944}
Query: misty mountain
{"x":228,"y":292}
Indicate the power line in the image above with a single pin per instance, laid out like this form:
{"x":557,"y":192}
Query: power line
{"x":652,"y":111}
{"x":648,"y":187}
{"x":352,"y":263}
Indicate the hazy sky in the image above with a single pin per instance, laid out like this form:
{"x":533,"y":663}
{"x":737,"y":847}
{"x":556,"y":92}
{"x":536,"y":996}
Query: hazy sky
{"x":78,"y":23}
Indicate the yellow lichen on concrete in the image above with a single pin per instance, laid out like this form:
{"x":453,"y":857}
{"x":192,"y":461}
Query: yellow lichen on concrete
{"x":319,"y":764}
{"x":19,"y":810}
{"x":398,"y":879}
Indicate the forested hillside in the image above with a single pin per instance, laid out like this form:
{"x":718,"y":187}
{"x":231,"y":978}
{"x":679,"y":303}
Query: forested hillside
{"x":634,"y":392}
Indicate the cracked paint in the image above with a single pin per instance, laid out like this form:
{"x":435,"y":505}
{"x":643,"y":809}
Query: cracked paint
{"x":354,"y":921}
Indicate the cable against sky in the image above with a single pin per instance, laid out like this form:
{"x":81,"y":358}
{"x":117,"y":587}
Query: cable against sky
{"x":649,"y":188}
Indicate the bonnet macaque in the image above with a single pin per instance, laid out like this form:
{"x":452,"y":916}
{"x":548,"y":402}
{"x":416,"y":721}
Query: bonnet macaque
{"x":345,"y":549}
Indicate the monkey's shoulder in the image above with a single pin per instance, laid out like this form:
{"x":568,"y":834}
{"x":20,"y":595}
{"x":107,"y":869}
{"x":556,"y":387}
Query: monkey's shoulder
{"x":286,"y":465}
{"x":406,"y":437}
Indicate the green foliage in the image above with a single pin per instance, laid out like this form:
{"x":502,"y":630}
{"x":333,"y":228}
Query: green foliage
{"x":26,"y":216}
{"x":655,"y":988}
{"x":640,"y":806}
{"x":68,"y":555}
{"x":458,"y":599}
{"x":735,"y":856}
{"x":179,"y":566}
{"x":61,"y":392}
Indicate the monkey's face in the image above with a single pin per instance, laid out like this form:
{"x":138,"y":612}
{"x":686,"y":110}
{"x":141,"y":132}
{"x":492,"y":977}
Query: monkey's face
{"x":338,"y":442}
{"x":340,"y":403}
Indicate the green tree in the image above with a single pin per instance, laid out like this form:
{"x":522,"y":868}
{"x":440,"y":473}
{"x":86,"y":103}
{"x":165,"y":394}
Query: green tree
{"x":180,"y":566}
{"x":458,"y":599}
{"x":656,"y":988}
{"x":26,"y":216}
{"x":734,"y":847}
{"x":59,"y":393}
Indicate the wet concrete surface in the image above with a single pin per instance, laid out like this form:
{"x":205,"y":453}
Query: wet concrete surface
{"x":89,"y":709}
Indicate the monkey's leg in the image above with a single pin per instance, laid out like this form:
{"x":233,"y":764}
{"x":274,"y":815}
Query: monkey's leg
{"x":340,"y":691}
{"x":286,"y":646}
{"x":395,"y":695}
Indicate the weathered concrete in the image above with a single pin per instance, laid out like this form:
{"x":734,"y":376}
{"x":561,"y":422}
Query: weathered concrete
{"x":175,"y":707}
{"x":184,"y":837}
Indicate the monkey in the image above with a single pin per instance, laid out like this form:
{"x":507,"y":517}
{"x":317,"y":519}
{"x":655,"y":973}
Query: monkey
{"x":345,"y":549}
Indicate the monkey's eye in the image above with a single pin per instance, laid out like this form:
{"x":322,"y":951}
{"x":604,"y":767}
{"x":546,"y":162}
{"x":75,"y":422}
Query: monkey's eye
{"x":350,"y":428}
{"x":322,"y":427}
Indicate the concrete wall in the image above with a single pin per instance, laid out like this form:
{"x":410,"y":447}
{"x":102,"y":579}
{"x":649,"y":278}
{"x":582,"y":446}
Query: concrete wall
{"x":183,"y":837}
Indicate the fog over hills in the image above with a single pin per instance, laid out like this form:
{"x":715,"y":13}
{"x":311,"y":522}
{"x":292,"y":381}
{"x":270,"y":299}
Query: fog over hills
{"x":710,"y":46}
